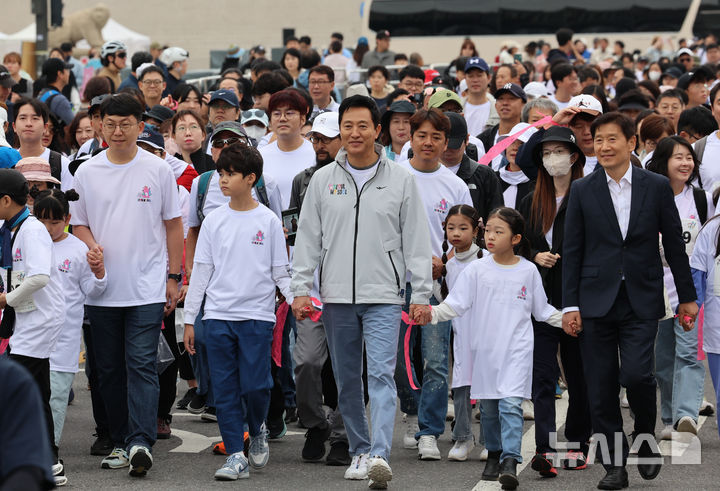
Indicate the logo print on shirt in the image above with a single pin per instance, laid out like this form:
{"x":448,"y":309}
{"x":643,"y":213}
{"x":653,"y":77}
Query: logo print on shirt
{"x":65,"y":266}
{"x":523,"y":294}
{"x":18,"y":255}
{"x":145,"y":194}
{"x":442,"y":206}
{"x":337,"y":189}
{"x":258,"y":238}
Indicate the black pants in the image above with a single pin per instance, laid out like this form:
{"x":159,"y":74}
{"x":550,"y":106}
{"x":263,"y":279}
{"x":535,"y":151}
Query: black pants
{"x":102,"y":427}
{"x":546,"y":372}
{"x":600,"y":340}
{"x":168,"y":378}
{"x":39,"y":369}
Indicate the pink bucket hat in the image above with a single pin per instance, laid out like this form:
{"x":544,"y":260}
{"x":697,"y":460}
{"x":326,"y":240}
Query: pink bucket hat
{"x":36,"y":169}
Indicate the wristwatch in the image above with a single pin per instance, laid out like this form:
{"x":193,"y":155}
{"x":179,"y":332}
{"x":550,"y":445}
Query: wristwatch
{"x":177,"y":277}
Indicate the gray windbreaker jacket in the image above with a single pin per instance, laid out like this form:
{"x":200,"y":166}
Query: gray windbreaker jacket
{"x":365,"y":239}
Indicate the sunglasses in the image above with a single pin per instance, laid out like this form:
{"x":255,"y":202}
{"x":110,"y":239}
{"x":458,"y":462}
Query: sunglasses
{"x":121,"y":55}
{"x":222,"y":142}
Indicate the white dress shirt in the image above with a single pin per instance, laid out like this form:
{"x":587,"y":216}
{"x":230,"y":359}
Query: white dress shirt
{"x":621,"y":195}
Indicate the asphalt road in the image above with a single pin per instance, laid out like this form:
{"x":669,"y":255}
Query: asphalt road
{"x":186,"y":462}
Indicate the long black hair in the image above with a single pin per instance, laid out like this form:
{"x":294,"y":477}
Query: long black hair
{"x":52,"y":204}
{"x":516,"y":222}
{"x":471,"y":214}
{"x":664,"y":151}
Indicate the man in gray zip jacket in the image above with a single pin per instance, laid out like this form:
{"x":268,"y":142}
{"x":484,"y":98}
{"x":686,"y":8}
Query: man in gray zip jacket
{"x":363,"y":223}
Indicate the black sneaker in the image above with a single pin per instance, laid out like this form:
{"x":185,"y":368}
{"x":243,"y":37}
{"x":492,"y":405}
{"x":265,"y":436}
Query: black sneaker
{"x":183,"y":403}
{"x":291,"y":415}
{"x":197,"y":404}
{"x":276,"y":428}
{"x":209,"y":414}
{"x":314,"y":448}
{"x":102,"y":445}
{"x":339,"y":454}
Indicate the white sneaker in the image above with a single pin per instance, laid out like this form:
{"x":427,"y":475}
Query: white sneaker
{"x":427,"y":448}
{"x":234,"y":468}
{"x":666,"y":433}
{"x":528,"y":410}
{"x":379,"y":472}
{"x":461,"y":450}
{"x":358,"y":469}
{"x":117,"y":459}
{"x":624,"y":401}
{"x":259,"y":451}
{"x":706,"y":408}
{"x":687,"y":425}
{"x":411,"y":429}
{"x":484,"y":455}
{"x":140,"y":460}
{"x":58,"y":471}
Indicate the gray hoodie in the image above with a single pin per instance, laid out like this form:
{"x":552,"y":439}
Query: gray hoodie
{"x":363,"y":240}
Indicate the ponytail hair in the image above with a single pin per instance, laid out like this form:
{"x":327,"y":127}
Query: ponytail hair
{"x":52,"y":204}
{"x":474,"y":217}
{"x":516,"y":222}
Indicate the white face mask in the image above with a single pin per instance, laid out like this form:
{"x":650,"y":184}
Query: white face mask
{"x":654,"y":76}
{"x":557,"y":165}
{"x":255,"y":132}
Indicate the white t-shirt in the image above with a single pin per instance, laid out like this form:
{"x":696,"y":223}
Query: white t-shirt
{"x":440,"y":190}
{"x":184,"y":204}
{"x":500,"y":300}
{"x":710,"y":167}
{"x":332,"y":106}
{"x":77,"y":281}
{"x":560,"y":105}
{"x":590,"y":164}
{"x":38,"y":323}
{"x":178,"y":166}
{"x":66,"y":179}
{"x":361,"y":176}
{"x":242,"y":247}
{"x":513,"y":179}
{"x":284,"y":166}
{"x":703,"y":259}
{"x":125,"y":207}
{"x":476,"y":117}
{"x":685,"y":203}
{"x":214,"y":197}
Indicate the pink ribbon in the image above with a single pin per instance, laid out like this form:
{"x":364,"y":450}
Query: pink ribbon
{"x":500,"y":147}
{"x":410,"y":323}
{"x":280,"y":317}
{"x":700,"y":322}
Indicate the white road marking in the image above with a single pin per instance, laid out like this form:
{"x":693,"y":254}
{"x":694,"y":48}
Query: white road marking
{"x":193,"y":442}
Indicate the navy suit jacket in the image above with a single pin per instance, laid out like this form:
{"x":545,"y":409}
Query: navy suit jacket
{"x":595,"y":256}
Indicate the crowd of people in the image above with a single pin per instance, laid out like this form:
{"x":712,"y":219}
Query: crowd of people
{"x":469,"y":243}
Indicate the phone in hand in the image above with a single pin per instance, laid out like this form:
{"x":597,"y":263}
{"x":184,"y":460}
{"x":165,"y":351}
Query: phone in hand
{"x":290,"y":218}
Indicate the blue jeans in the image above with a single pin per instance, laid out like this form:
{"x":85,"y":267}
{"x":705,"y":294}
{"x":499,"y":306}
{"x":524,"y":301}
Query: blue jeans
{"x":199,"y":362}
{"x":348,"y":326}
{"x":714,"y":366}
{"x":502,"y":422}
{"x":239,"y":356}
{"x":680,"y":375}
{"x":430,"y":402}
{"x":125,"y":344}
{"x":462,"y":431}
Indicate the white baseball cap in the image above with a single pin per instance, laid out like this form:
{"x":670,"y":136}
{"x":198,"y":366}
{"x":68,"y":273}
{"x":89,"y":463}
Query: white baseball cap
{"x":254,"y":115}
{"x":536,"y":90}
{"x":526,"y":135}
{"x":685,"y":51}
{"x":587,"y":103}
{"x":327,"y":124}
{"x":173,"y":54}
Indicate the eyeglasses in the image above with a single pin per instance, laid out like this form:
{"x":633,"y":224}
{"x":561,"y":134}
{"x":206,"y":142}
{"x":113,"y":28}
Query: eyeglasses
{"x":325,"y":140}
{"x":418,"y":86}
{"x":222,"y":142}
{"x":152,"y":83}
{"x":183,"y":128}
{"x":124,"y":127}
{"x":289,"y":114}
{"x":318,"y":82}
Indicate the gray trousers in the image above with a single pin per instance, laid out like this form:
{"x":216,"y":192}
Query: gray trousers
{"x":310,"y":354}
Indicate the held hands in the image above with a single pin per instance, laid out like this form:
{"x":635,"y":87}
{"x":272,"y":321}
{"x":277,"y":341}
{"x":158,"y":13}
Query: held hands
{"x":687,"y":312}
{"x":546,"y":259}
{"x":95,"y":259}
{"x":3,"y":301}
{"x":172,"y":294}
{"x":189,"y":339}
{"x":572,"y":323}
{"x":302,"y":307}
{"x":183,"y":293}
{"x":421,"y":314}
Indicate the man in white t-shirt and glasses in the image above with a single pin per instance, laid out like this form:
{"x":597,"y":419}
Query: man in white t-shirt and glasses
{"x":363,"y":224}
{"x":128,"y":208}
{"x":479,"y":107}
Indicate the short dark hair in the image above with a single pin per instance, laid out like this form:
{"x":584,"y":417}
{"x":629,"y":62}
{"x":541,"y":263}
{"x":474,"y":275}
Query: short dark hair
{"x":323,"y":70}
{"x":651,"y":87}
{"x":151,"y":69}
{"x":310,"y":59}
{"x":675,"y":94}
{"x":711,"y":46}
{"x":337,"y":35}
{"x":654,"y":126}
{"x":713,"y":93}
{"x":268,"y":83}
{"x":263,"y":65}
{"x":182,"y":91}
{"x":627,"y":125}
{"x":620,"y":43}
{"x":138,"y":59}
{"x":434,"y":116}
{"x":394,"y":95}
{"x":664,"y":150}
{"x":96,"y":86}
{"x":39,"y":108}
{"x":289,"y":98}
{"x":563,"y":35}
{"x":360,"y":101}
{"x":588,"y":72}
{"x":379,"y":68}
{"x":241,"y":158}
{"x":412,"y":71}
{"x":305,"y":40}
{"x":697,"y":120}
{"x":560,"y":71}
{"x":400,"y":56}
{"x":286,"y":75}
{"x":122,"y":105}
{"x":335,"y":47}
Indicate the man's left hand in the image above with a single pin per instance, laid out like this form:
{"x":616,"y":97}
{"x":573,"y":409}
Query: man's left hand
{"x":687,"y":312}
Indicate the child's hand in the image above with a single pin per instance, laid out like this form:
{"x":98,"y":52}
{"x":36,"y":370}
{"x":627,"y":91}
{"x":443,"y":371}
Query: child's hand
{"x":3,"y":301}
{"x":183,"y":293}
{"x":189,"y":339}
{"x":420,"y":314}
{"x":95,"y":259}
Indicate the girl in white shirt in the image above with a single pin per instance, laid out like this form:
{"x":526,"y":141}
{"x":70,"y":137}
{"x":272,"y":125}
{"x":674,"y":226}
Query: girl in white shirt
{"x":77,"y":279}
{"x":500,"y":293}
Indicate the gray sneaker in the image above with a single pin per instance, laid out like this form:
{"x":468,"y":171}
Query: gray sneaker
{"x":117,"y":459}
{"x":234,"y":468}
{"x":259,"y":451}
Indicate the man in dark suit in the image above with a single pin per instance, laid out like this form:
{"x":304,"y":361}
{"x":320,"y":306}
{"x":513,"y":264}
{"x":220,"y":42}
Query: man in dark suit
{"x":613,"y":287}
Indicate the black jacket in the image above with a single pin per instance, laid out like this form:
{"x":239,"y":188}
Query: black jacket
{"x":200,"y":160}
{"x":299,"y":186}
{"x":483,"y":184}
{"x":487,"y":137}
{"x":596,"y":257}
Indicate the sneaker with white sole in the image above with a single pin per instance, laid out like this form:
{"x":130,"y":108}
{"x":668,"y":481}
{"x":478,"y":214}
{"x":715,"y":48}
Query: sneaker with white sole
{"x":624,"y":400}
{"x":259,"y":451}
{"x":706,"y":408}
{"x":484,"y":455}
{"x":528,"y":410}
{"x":140,"y":460}
{"x":411,"y":428}
{"x":117,"y":459}
{"x":687,"y":425}
{"x":358,"y":469}
{"x":461,"y":450}
{"x":58,"y":471}
{"x":379,"y":472}
{"x":234,"y":468}
{"x":427,"y":448}
{"x":666,"y":432}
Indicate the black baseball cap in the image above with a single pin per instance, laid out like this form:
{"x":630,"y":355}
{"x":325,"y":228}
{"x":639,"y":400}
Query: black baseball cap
{"x":458,"y":130}
{"x":513,"y":89}
{"x":384,"y":34}
{"x":399,"y":106}
{"x":159,"y":113}
{"x":702,"y":74}
{"x":558,"y":134}
{"x":6,"y":79}
{"x":96,"y":102}
{"x":51,"y":66}
{"x":13,"y":184}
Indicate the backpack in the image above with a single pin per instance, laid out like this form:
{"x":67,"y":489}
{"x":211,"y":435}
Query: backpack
{"x":701,"y":203}
{"x":699,"y":151}
{"x":48,"y":96}
{"x":55,"y":162}
{"x":204,"y":185}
